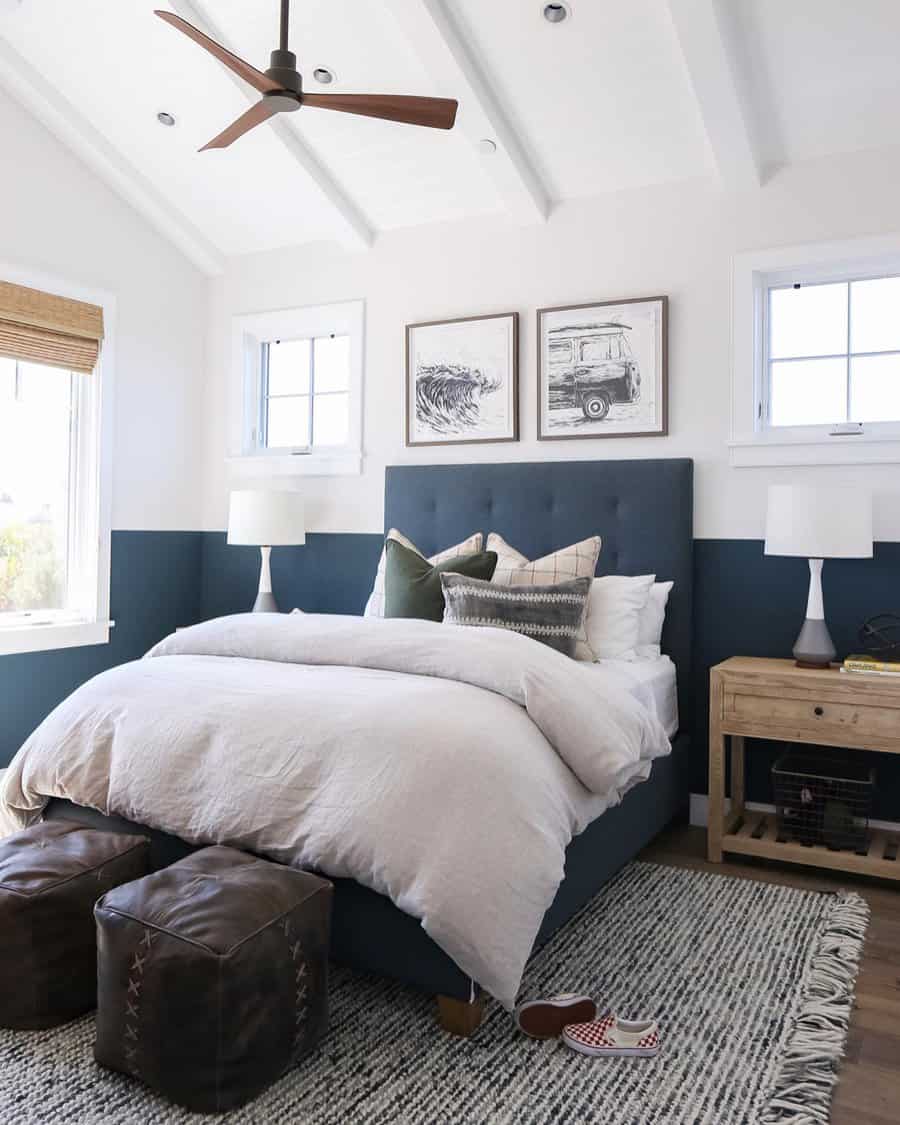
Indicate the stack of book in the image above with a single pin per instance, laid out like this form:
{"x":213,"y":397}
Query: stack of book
{"x":861,"y":662}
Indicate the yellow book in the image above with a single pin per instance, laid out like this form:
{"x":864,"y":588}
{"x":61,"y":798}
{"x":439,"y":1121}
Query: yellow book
{"x":857,"y":662}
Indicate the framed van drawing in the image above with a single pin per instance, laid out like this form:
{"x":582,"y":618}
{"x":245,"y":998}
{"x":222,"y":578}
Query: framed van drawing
{"x":603,"y":369}
{"x":462,"y":380}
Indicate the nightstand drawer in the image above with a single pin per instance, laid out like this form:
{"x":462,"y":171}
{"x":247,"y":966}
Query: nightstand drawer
{"x":812,"y":718}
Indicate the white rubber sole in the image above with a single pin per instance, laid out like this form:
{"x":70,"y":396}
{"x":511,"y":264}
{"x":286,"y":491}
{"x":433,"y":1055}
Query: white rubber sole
{"x":603,"y":1052}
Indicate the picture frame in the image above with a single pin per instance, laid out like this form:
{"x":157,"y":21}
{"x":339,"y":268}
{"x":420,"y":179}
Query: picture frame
{"x":462,"y":380}
{"x":603,"y":369}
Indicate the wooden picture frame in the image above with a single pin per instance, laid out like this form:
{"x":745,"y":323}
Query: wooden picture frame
{"x":462,"y":380}
{"x":621,"y":358}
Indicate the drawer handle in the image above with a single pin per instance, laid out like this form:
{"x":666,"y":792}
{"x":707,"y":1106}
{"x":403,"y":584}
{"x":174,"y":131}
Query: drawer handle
{"x":818,"y":710}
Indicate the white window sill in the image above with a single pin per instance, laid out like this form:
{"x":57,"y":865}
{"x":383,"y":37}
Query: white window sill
{"x":843,"y":449}
{"x":55,"y":635}
{"x":340,"y":463}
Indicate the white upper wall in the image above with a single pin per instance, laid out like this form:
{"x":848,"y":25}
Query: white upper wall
{"x":58,"y":219}
{"x":672,"y":239}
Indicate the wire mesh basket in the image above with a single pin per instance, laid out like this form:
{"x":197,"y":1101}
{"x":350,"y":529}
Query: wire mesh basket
{"x":823,"y":799}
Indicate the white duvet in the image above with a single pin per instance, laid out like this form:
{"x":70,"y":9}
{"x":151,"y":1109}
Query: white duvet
{"x":443,"y":766}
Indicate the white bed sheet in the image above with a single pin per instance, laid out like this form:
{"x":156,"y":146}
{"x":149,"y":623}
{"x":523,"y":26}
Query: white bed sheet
{"x":653,"y":683}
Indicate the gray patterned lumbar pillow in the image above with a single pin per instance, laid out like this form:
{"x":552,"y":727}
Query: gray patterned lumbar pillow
{"x":550,"y":614}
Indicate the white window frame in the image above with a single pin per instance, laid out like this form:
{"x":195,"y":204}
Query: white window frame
{"x":753,"y":442}
{"x":90,"y":493}
{"x":250,"y":331}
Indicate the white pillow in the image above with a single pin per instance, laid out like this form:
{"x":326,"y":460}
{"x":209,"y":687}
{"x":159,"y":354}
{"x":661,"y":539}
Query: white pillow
{"x":652,"y":620}
{"x":613,"y":618}
{"x":375,"y":604}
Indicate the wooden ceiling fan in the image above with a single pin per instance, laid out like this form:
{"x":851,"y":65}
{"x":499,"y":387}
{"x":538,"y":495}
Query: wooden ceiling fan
{"x":281,"y":87}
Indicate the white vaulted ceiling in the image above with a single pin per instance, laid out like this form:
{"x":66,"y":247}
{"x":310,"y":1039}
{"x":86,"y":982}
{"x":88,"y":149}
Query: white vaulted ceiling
{"x":620,"y":96}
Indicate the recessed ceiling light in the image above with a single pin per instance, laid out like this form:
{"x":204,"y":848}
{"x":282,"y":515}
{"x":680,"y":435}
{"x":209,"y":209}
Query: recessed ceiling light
{"x":325,"y":75}
{"x":556,"y":13}
{"x":165,"y":118}
{"x":486,"y":146}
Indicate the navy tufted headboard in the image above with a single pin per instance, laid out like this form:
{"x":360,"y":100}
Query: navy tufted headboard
{"x":642,"y":509}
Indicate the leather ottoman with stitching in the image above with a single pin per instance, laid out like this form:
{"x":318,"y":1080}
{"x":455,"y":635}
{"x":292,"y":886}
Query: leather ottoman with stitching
{"x":51,"y":874}
{"x":212,"y":976}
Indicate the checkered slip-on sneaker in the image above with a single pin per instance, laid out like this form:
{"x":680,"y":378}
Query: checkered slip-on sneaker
{"x":612,"y":1036}
{"x":545,"y":1019}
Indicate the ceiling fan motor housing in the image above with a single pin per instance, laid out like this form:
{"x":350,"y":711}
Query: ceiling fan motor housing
{"x":283,"y":70}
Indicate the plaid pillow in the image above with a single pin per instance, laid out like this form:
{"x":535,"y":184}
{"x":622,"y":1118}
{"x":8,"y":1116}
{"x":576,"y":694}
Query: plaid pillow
{"x":577,"y":561}
{"x":513,"y":569}
{"x":375,"y":604}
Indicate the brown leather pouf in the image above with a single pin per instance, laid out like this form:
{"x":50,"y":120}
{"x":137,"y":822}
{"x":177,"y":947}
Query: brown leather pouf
{"x":212,"y":976}
{"x":50,"y":877}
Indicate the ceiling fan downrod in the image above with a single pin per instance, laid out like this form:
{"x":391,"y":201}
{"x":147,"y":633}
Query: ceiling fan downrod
{"x":283,"y":62}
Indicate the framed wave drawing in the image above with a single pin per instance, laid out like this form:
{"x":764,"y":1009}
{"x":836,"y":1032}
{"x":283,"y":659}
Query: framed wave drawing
{"x":462,"y":380}
{"x":603,"y":369}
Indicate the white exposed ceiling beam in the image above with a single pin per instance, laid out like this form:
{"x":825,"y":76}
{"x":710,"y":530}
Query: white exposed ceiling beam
{"x":33,"y":91}
{"x":436,"y":38}
{"x":702,"y":29}
{"x":354,"y":230}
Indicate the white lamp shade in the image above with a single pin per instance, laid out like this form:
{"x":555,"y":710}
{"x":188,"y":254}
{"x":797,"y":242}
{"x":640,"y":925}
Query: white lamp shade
{"x":819,"y":523}
{"x":266,"y":518}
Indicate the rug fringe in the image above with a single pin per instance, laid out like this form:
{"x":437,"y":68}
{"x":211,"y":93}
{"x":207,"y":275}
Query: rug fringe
{"x":806,"y":1076}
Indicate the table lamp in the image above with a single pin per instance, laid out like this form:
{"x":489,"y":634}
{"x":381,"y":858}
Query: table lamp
{"x":265,"y":519}
{"x":818,"y":524}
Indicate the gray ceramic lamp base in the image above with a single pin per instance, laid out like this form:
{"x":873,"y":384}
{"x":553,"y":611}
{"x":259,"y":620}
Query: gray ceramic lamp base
{"x":814,"y":647}
{"x":265,"y":599}
{"x":265,"y":603}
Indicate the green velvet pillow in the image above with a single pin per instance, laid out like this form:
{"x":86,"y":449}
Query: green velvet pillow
{"x":412,"y":585}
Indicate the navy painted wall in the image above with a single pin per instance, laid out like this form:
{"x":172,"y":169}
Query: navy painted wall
{"x":155,"y":585}
{"x":331,"y":573}
{"x":744,"y":603}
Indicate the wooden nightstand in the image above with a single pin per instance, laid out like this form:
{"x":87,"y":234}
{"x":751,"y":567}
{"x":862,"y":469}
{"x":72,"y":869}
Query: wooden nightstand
{"x":774,"y":699}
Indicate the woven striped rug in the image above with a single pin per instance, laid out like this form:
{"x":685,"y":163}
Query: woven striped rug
{"x":752,"y":985}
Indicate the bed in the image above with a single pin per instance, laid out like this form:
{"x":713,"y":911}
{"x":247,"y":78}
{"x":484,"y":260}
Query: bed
{"x":643,"y":511}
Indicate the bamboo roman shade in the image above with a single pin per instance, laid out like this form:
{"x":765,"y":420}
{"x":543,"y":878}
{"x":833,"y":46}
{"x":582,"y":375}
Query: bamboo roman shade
{"x":41,"y":327}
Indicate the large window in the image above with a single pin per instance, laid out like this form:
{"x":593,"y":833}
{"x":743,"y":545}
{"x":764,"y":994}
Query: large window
{"x":299,"y":374}
{"x":36,"y":416}
{"x":834,"y":353}
{"x":54,"y":532}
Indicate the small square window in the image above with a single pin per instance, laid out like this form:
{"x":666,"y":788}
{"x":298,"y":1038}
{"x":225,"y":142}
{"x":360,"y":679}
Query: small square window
{"x":304,"y":394}
{"x":299,"y":373}
{"x":832,"y":353}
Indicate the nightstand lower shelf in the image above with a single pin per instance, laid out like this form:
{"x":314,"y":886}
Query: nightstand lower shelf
{"x":755,"y":833}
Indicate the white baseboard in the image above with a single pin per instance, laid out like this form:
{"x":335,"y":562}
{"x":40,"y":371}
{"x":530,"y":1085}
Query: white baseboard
{"x":700,"y":812}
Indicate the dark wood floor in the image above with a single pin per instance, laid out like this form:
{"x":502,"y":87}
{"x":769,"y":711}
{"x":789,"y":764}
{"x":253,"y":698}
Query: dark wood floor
{"x":869,"y":1088}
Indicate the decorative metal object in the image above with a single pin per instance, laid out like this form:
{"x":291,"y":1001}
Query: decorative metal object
{"x":880,"y":636}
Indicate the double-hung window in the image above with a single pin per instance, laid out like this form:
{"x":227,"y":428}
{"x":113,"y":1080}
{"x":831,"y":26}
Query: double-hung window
{"x":54,"y":533}
{"x":300,"y":377}
{"x":816,"y":364}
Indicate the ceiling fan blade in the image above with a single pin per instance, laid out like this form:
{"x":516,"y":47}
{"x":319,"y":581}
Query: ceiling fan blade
{"x":436,"y":113}
{"x":255,"y":115}
{"x":249,"y":73}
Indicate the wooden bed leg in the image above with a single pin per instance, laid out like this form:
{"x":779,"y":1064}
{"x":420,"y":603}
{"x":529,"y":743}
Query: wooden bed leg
{"x":459,"y":1017}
